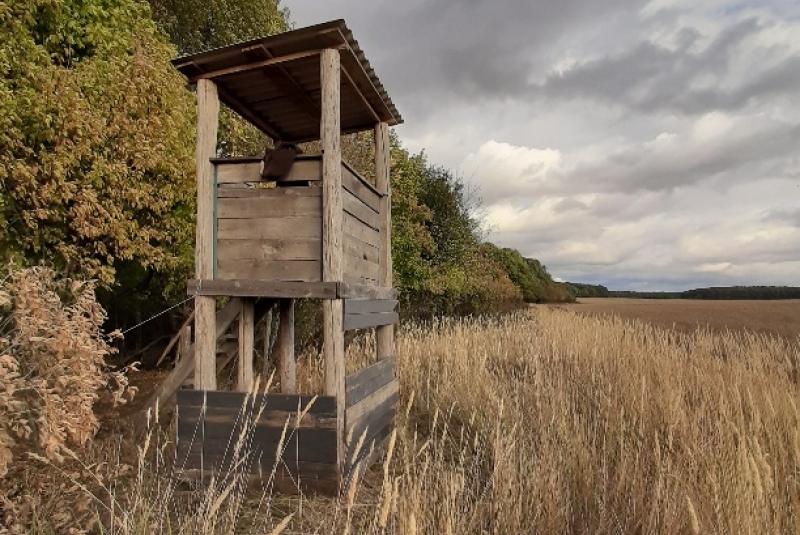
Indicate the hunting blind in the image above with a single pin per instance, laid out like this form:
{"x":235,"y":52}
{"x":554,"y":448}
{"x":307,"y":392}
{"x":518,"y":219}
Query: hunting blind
{"x":321,"y":231}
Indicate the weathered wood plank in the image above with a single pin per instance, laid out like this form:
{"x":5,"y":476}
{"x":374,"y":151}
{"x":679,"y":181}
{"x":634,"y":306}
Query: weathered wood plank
{"x":361,"y":189}
{"x":285,"y":483}
{"x":366,"y":381}
{"x":285,"y":347}
{"x":257,"y":288}
{"x":358,"y":270}
{"x":367,"y":456}
{"x":373,"y":400}
{"x":279,"y":205}
{"x":356,"y":174}
{"x":276,"y":402}
{"x":365,"y":321}
{"x":359,"y":249}
{"x":348,"y":290}
{"x":368,"y":427}
{"x":368,"y":306}
{"x":246,"y":336}
{"x":269,"y":228}
{"x":259,"y":64}
{"x":359,"y":210}
{"x":305,"y":469}
{"x":237,"y":172}
{"x":294,"y":249}
{"x":309,"y":168}
{"x":266,"y":437}
{"x":279,"y":270}
{"x":234,"y":191}
{"x":359,"y":230}
{"x":316,"y":445}
{"x":271,"y":418}
{"x":373,"y":420}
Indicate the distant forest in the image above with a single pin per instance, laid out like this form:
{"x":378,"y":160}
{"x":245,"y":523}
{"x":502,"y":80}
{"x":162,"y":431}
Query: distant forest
{"x":714,"y":293}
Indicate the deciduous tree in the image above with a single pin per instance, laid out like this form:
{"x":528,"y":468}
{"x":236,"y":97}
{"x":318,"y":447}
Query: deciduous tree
{"x":96,"y":137}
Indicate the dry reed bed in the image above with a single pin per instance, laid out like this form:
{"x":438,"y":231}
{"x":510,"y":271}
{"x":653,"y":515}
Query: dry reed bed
{"x":595,"y":425}
{"x":551,"y":422}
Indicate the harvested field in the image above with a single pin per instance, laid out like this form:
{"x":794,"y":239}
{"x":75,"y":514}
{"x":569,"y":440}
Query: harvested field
{"x":780,"y":318}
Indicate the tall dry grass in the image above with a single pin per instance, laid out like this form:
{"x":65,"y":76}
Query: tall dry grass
{"x":596,"y":425}
{"x":550,"y":422}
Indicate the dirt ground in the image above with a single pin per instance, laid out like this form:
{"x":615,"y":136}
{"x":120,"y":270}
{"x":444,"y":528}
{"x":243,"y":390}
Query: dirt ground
{"x":773,"y":317}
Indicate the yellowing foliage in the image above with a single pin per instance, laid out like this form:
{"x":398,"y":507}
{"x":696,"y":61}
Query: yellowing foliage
{"x":96,"y":137}
{"x":52,"y":366}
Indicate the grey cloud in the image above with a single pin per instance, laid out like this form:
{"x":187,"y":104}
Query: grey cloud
{"x":651,"y":78}
{"x":791,"y":217}
{"x":467,"y":50}
{"x":739,"y":156}
{"x":568,"y":205}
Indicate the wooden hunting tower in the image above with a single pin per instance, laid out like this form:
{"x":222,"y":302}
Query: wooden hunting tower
{"x":321,"y":231}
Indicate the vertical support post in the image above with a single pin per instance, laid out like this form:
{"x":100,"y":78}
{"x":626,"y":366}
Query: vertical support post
{"x":332,"y":309}
{"x":286,"y":363}
{"x":268,"y":334}
{"x":384,"y":336}
{"x":246,"y":336}
{"x":205,"y":366}
{"x":184,"y":343}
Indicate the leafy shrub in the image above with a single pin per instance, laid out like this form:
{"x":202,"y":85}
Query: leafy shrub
{"x":52,"y":367}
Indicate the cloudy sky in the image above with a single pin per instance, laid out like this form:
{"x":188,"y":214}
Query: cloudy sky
{"x":642,"y":145}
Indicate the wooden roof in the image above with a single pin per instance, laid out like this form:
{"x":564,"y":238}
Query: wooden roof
{"x":274,"y":82}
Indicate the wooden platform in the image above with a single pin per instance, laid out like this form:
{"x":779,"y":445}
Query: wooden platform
{"x":287,"y":289}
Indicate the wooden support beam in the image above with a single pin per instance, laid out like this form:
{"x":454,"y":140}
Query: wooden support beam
{"x":258,"y":64}
{"x":384,"y":335}
{"x":175,"y":339}
{"x":246,"y":335}
{"x":205,"y":308}
{"x":184,"y":344}
{"x":332,"y":261}
{"x":232,"y":101}
{"x":285,"y":81}
{"x":285,"y":342}
{"x":258,"y":288}
{"x":361,"y":96}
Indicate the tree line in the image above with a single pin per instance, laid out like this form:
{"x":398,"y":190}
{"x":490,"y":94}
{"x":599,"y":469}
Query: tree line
{"x":713,"y":293}
{"x":97,"y":162}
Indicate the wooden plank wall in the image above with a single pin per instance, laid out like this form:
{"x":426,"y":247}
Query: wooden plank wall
{"x":248,"y":170}
{"x":371,"y":396}
{"x":269,"y":234}
{"x":211,"y":422}
{"x":361,"y":226}
{"x":366,"y":313}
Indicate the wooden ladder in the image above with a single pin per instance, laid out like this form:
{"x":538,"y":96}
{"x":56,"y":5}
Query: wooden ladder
{"x":184,"y":369}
